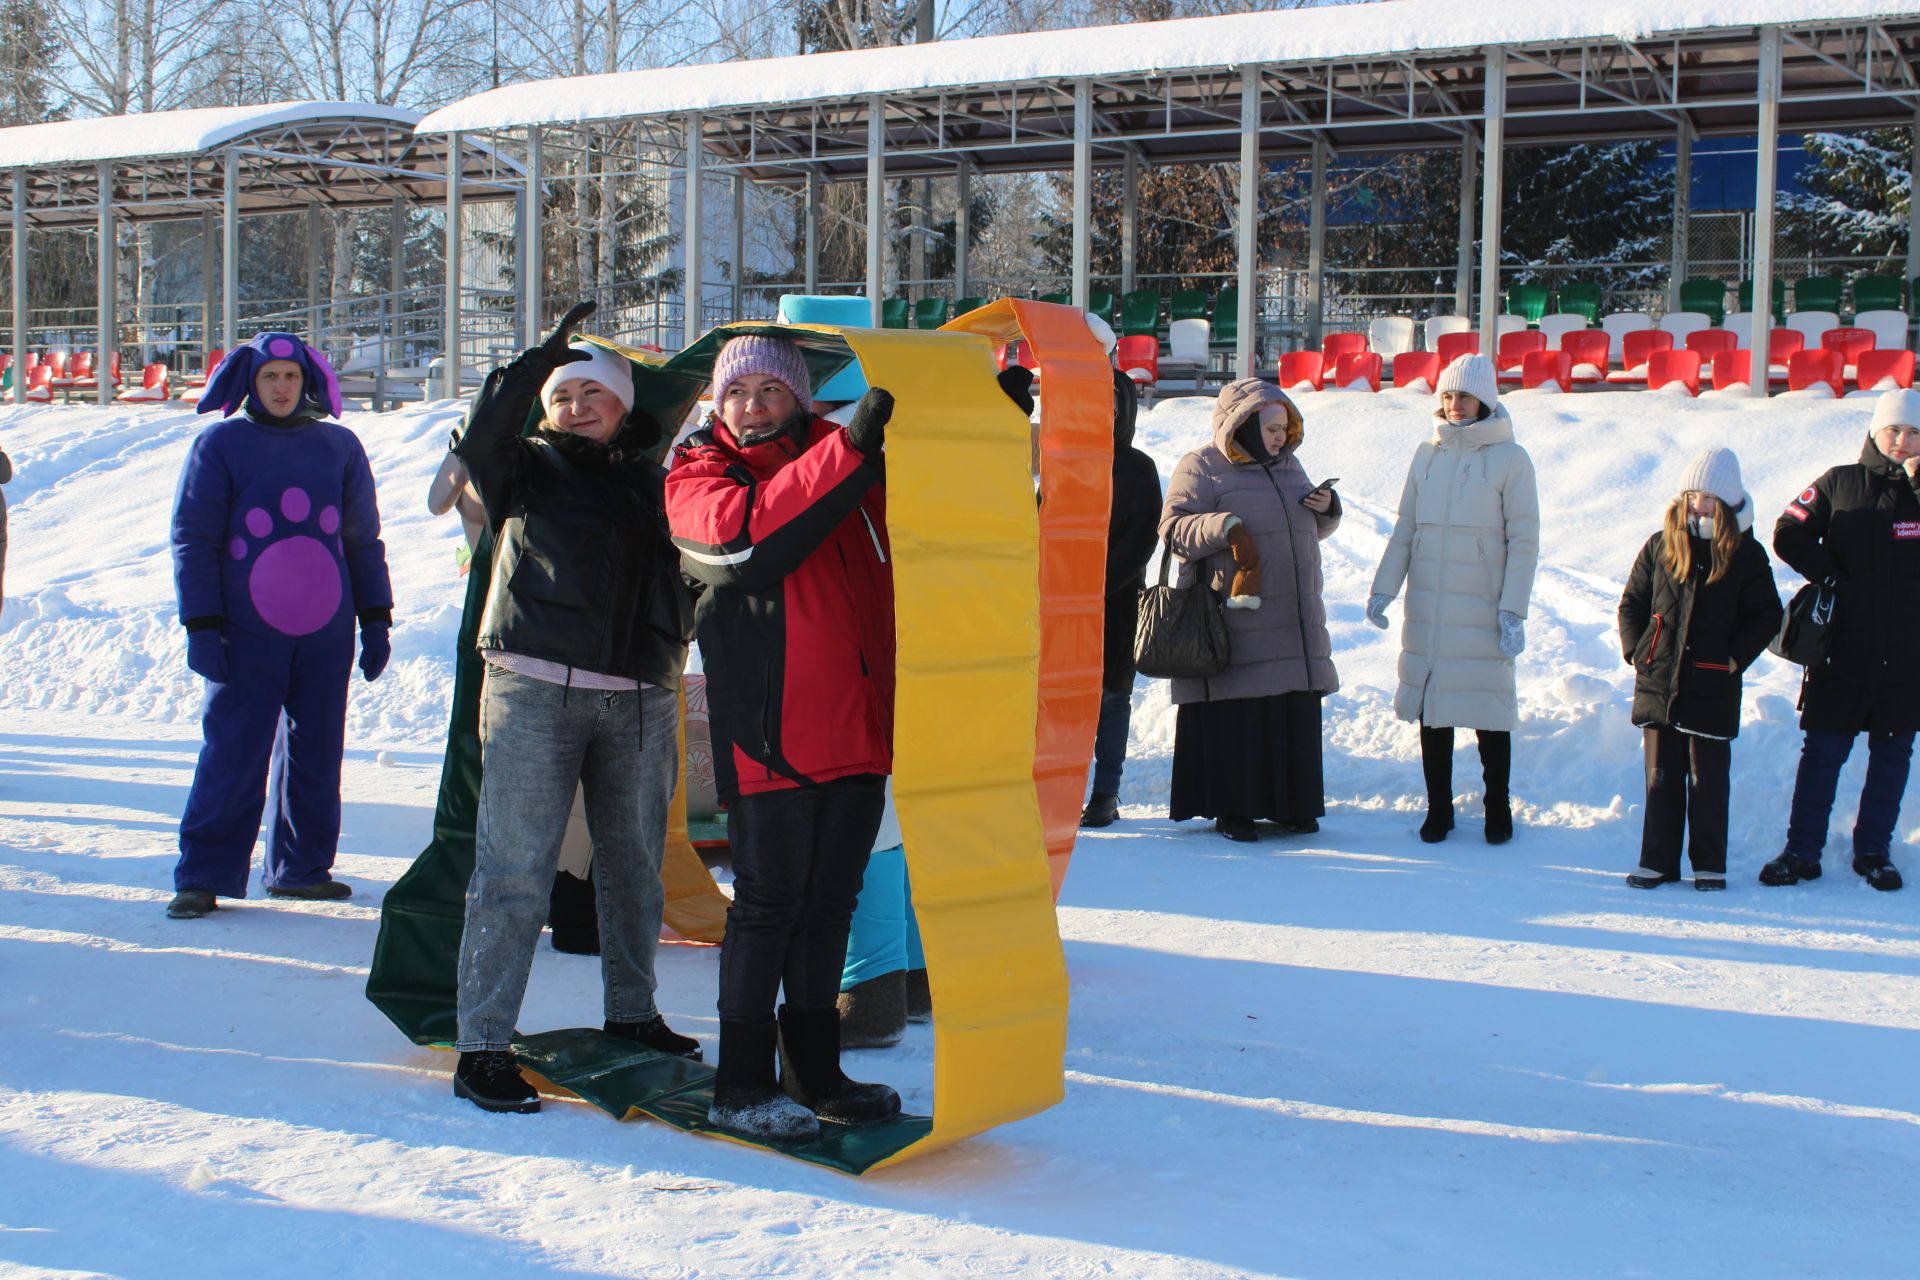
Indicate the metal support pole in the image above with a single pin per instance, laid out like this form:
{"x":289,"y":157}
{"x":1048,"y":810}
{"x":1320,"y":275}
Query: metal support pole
{"x":209,"y":286}
{"x":1469,"y":183}
{"x":1129,"y":217}
{"x":451,"y":386}
{"x":1682,"y":209}
{"x":692,"y":251}
{"x":1495,"y":110}
{"x":230,"y":254}
{"x":109,"y":287}
{"x":739,"y":247}
{"x":1249,"y":217}
{"x":1766,"y":166}
{"x":1317,"y":246}
{"x":962,"y":228}
{"x":396,"y":277}
{"x":533,"y":283}
{"x":313,"y":274}
{"x":876,"y":201}
{"x":20,"y":318}
{"x":1913,"y":210}
{"x":1082,"y":189}
{"x":813,"y":232}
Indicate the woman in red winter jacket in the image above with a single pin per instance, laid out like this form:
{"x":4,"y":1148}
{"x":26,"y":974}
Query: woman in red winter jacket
{"x":782,"y":516}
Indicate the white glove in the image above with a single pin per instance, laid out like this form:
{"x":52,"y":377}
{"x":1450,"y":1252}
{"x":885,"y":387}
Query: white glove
{"x":1377,"y":610}
{"x":1513,"y":634}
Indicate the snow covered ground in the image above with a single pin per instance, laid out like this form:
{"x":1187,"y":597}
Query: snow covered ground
{"x":1343,"y":1055}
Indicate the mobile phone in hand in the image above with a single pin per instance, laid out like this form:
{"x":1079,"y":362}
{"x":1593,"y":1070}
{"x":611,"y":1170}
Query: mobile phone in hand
{"x":1328,"y":483}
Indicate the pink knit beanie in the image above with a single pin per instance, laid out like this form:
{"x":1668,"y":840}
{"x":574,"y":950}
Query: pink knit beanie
{"x":762,"y":354}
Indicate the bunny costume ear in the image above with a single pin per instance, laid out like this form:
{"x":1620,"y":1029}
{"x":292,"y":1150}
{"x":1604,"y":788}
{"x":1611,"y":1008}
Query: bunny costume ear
{"x":232,"y":383}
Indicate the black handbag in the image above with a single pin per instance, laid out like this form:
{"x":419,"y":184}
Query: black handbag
{"x":1182,"y":631}
{"x":1807,"y":628}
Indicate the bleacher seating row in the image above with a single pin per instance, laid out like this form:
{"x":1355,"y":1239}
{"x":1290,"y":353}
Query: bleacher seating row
{"x":74,"y":376}
{"x":1811,"y":350}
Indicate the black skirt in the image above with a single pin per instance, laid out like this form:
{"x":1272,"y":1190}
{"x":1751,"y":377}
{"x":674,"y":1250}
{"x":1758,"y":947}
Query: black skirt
{"x":1248,"y":758}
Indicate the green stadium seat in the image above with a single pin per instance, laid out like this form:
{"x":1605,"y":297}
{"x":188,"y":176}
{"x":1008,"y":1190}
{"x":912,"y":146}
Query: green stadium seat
{"x":929,"y":313}
{"x":1140,"y":313}
{"x":1064,"y":299}
{"x":1818,"y":293}
{"x":895,"y":313}
{"x":1226,"y":318}
{"x":965,"y":305}
{"x":1529,"y":300}
{"x":1188,"y":304}
{"x":1102,"y":303}
{"x":1779,"y":299}
{"x":1708,"y":297}
{"x":1878,"y":293}
{"x":1581,"y":300}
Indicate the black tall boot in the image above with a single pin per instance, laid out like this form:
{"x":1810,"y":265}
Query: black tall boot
{"x":746,"y":1097}
{"x":573,"y":915}
{"x":810,"y":1071}
{"x":1496,"y":768}
{"x":1436,"y":762}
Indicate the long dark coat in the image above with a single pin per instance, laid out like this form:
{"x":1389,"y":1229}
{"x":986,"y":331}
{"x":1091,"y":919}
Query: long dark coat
{"x":1130,"y":538}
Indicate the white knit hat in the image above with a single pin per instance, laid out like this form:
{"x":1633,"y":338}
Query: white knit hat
{"x":1716,"y":471}
{"x":1897,"y":409}
{"x":1474,"y":375}
{"x":608,"y":368}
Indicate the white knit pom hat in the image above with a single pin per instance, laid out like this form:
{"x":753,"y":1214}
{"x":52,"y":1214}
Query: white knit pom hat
{"x":1897,"y":409}
{"x":1717,"y":471}
{"x":1474,"y":375}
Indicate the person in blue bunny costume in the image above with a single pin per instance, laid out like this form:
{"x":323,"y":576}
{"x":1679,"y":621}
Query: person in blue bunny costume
{"x":276,"y":553}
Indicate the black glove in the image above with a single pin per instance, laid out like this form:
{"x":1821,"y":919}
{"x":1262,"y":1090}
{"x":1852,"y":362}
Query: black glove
{"x":868,"y":430}
{"x":1017,"y":381}
{"x":540,"y":361}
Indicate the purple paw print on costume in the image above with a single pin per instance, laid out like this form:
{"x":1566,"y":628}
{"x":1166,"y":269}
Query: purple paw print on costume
{"x":295,"y":581}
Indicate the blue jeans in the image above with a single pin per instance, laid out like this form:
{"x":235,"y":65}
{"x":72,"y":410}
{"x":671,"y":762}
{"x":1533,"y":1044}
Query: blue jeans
{"x":1110,"y":741}
{"x":538,"y":740}
{"x":1821,"y":758}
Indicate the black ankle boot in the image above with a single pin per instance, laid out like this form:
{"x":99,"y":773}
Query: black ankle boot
{"x":1102,"y":810}
{"x":490,"y":1079}
{"x":1439,"y":822}
{"x":746,"y":1097}
{"x":654,"y":1033}
{"x":574,"y":918}
{"x":1499,"y":820}
{"x":810,"y":1071}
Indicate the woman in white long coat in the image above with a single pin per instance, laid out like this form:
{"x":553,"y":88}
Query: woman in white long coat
{"x":1466,"y":545}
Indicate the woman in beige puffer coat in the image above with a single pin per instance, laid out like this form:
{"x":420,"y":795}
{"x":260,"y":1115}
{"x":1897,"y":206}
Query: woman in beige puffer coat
{"x":1242,"y":511}
{"x":1466,"y":545}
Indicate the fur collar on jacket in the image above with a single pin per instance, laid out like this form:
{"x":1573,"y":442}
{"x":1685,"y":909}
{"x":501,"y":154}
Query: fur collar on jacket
{"x":1244,"y":399}
{"x":1494,"y":428}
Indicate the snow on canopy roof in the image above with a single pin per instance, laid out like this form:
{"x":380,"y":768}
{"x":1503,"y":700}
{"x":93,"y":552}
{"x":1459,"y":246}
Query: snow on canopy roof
{"x":171,"y":133}
{"x":1292,"y":36}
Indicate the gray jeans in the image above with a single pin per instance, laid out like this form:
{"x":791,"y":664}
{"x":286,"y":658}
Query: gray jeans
{"x":537,"y":741}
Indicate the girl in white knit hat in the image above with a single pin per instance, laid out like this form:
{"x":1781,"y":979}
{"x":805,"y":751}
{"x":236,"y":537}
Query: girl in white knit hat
{"x":1466,"y":546}
{"x":1699,"y":607}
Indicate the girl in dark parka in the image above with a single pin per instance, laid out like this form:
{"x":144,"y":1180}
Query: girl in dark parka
{"x":1699,"y":607}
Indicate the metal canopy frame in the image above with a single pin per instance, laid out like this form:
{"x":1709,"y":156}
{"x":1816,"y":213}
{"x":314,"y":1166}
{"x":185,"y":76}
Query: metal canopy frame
{"x":335,"y":159}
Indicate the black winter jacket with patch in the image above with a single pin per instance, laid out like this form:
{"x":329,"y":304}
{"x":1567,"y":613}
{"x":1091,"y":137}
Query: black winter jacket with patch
{"x":1689,"y":640}
{"x":1860,"y":525}
{"x":584,"y":572}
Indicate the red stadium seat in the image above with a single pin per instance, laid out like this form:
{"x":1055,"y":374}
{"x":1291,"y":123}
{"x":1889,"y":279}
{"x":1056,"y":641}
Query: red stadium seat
{"x":1667,"y":368}
{"x":153,"y":385}
{"x":1809,"y":369}
{"x":1138,"y":356}
{"x":1591,"y":347}
{"x":1731,"y":369}
{"x":1451,"y":346}
{"x":1544,"y":368}
{"x":1335,"y":345}
{"x":1410,"y":367}
{"x":1358,"y":366}
{"x":1636,"y":348}
{"x":1711,"y":342}
{"x":1878,"y":364}
{"x":1297,"y":367}
{"x":40,"y":383}
{"x":1514,"y":349}
{"x":1848,"y":341}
